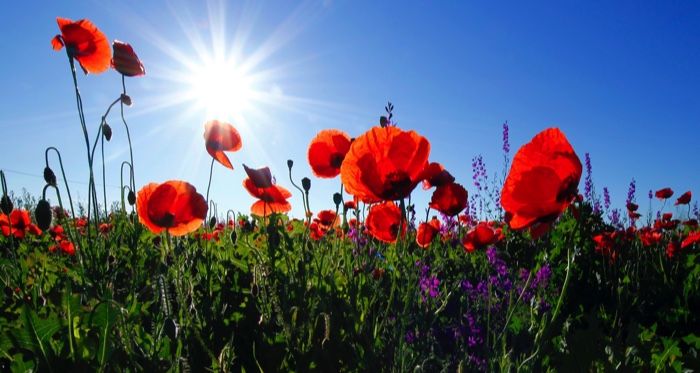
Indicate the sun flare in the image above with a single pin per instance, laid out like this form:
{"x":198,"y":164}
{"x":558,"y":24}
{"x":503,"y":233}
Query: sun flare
{"x":221,"y":88}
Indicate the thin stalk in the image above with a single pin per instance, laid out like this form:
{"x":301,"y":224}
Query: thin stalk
{"x":211,"y":172}
{"x":63,"y":173}
{"x":128,"y":135}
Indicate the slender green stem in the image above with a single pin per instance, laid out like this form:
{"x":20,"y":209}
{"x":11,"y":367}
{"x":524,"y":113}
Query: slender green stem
{"x":211,"y":171}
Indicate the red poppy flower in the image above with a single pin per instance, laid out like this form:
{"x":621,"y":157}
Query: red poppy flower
{"x":220,"y":137}
{"x":672,"y":248}
{"x":631,"y":206}
{"x":18,"y":224}
{"x":649,"y":237}
{"x":125,"y":60}
{"x":605,"y":244}
{"x":174,"y":206}
{"x":664,"y":193}
{"x":384,"y":164}
{"x":324,"y":221}
{"x":426,"y":232}
{"x":542,"y":182}
{"x":684,"y":199}
{"x":350,"y":205}
{"x":434,"y":175}
{"x":272,"y":198}
{"x":449,"y":199}
{"x":327,"y":151}
{"x":85,"y":42}
{"x":692,"y":238}
{"x":481,"y":236}
{"x":384,"y":220}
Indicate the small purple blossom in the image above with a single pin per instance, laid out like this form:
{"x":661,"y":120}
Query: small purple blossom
{"x":588,"y":186}
{"x":606,"y":198}
{"x":506,"y":143}
{"x":542,"y":276}
{"x":429,"y":284}
{"x":631,"y":191}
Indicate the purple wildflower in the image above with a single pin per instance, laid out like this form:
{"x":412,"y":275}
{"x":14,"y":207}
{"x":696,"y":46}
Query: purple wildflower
{"x":429,"y":284}
{"x":631,"y":191}
{"x":606,"y":198}
{"x":588,"y":186}
{"x":506,"y":143}
{"x":542,"y":276}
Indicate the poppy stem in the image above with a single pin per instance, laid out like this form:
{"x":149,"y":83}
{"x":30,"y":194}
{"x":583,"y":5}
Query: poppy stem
{"x":121,"y":182}
{"x":63,"y":173}
{"x":303,"y":198}
{"x":104,"y":179}
{"x":128,"y":135}
{"x":211,"y":171}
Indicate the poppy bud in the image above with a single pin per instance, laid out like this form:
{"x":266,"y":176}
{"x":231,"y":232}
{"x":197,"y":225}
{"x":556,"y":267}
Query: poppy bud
{"x":171,"y":329}
{"x":234,"y":236}
{"x":42,"y":214}
{"x":131,"y":197}
{"x":290,"y":163}
{"x":337,"y":199}
{"x":49,"y":176}
{"x":383,"y":121}
{"x":212,"y":222}
{"x":107,"y":131}
{"x":6,"y":204}
{"x":306,"y":184}
{"x":126,"y":100}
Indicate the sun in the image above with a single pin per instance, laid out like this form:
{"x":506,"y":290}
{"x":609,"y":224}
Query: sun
{"x":221,"y":88}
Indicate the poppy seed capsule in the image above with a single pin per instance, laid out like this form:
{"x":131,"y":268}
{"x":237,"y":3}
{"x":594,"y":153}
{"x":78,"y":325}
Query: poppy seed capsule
{"x":131,"y":197}
{"x":49,"y":176}
{"x":337,"y":199}
{"x":126,"y":100}
{"x":290,"y":163}
{"x":6,"y":205}
{"x":42,"y":214}
{"x":383,"y":121}
{"x":306,"y":184}
{"x":107,"y":131}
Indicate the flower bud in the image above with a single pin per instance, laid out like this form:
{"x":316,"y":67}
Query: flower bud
{"x":212,"y":222}
{"x":107,"y":131}
{"x":306,"y":184}
{"x":131,"y":197}
{"x":6,"y":205}
{"x":49,"y":176}
{"x":383,"y":121}
{"x":337,"y":199}
{"x":234,"y":236}
{"x":43,"y":215}
{"x":290,"y":163}
{"x":126,"y":100}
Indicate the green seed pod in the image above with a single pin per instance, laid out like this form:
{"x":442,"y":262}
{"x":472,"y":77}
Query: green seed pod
{"x":42,"y":214}
{"x":107,"y":131}
{"x":6,"y":205}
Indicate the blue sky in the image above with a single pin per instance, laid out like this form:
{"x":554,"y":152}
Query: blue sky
{"x":619,"y":78}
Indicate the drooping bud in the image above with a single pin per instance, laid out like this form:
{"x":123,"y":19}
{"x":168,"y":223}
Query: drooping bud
{"x":49,"y":176}
{"x":290,"y":163}
{"x":131,"y":197}
{"x":107,"y":131}
{"x":212,"y":222}
{"x":43,"y":215}
{"x":126,"y":100}
{"x":337,"y":199}
{"x":234,"y":236}
{"x":6,"y":205}
{"x":306,"y":184}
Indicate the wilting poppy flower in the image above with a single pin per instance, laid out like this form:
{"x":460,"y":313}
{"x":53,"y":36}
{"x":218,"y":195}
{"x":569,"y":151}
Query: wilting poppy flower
{"x":174,"y":206}
{"x":125,"y":60}
{"x":426,"y":232}
{"x":384,"y":220}
{"x":435,"y":175}
{"x":542,"y":182}
{"x":272,"y":198}
{"x":384,"y":164}
{"x":220,"y":137}
{"x":692,"y":238}
{"x":684,"y":199}
{"x":664,"y":193}
{"x":85,"y":42}
{"x":18,"y":224}
{"x":481,"y":236}
{"x":327,"y":151}
{"x":449,"y":199}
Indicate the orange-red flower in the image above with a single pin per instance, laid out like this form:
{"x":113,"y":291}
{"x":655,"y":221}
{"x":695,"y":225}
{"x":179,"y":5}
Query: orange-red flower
{"x":327,"y":152}
{"x":220,"y":137}
{"x":324,"y":221}
{"x":174,"y":206}
{"x":85,"y":42}
{"x":384,"y":220}
{"x":664,"y":193}
{"x":692,"y":238}
{"x":18,"y":224}
{"x":435,"y":175}
{"x":542,"y":182}
{"x":125,"y":60}
{"x":481,"y":236}
{"x":684,"y":199}
{"x":449,"y":199}
{"x":384,"y":164}
{"x":272,"y":197}
{"x":426,"y":232}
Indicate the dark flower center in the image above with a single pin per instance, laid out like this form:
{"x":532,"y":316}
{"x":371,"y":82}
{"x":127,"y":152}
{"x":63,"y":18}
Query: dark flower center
{"x":337,"y":160}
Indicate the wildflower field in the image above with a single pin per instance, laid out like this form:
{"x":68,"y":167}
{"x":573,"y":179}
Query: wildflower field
{"x":532,"y":269}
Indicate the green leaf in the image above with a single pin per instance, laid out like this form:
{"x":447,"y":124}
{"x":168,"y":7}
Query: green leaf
{"x":35,"y":333}
{"x":103,"y":318}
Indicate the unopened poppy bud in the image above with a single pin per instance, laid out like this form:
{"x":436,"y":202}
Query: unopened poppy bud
{"x":126,"y":100}
{"x":290,"y":163}
{"x":383,"y":121}
{"x":131,"y":197}
{"x":49,"y":176}
{"x":337,"y":199}
{"x":6,"y":205}
{"x":212,"y":222}
{"x":42,"y":214}
{"x":234,"y":236}
{"x":107,"y":131}
{"x":306,"y":184}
